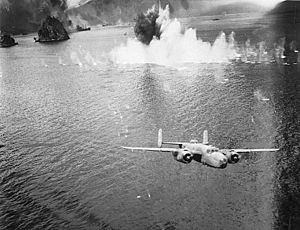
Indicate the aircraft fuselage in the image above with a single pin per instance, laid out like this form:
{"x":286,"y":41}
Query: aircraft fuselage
{"x":206,"y":154}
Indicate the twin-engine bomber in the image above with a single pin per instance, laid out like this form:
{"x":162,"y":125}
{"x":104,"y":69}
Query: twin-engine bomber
{"x":201,"y":152}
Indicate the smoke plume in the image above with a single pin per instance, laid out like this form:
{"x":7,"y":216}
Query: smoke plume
{"x":146,"y":27}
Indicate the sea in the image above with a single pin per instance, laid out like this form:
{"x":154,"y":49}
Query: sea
{"x":66,"y":109}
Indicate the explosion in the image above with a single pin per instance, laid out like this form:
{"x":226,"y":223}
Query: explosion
{"x":172,"y":45}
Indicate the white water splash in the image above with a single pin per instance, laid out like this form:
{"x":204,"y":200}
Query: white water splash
{"x":259,"y":95}
{"x":75,"y":58}
{"x":44,"y":63}
{"x":60,"y":61}
{"x":175,"y":46}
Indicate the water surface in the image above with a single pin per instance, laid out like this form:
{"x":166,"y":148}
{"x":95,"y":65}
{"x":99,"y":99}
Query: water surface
{"x":66,"y":110}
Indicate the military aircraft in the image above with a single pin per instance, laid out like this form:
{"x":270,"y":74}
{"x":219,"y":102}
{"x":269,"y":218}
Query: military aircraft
{"x":200,"y":152}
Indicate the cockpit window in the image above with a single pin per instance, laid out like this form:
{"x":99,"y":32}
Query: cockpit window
{"x":193,"y":141}
{"x":212,"y":150}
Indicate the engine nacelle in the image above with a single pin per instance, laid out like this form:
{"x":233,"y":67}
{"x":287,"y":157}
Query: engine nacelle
{"x":232,"y":156}
{"x":183,"y":156}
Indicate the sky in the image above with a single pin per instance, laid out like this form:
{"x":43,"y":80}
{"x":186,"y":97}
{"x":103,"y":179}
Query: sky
{"x":267,"y":3}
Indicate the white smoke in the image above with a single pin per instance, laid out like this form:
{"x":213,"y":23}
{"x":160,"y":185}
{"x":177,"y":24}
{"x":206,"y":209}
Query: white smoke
{"x":78,"y":20}
{"x":175,"y":46}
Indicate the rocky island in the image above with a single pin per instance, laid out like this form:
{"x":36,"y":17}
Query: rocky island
{"x":7,"y":41}
{"x":52,"y":30}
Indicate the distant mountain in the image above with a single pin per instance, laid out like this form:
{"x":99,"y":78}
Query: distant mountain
{"x":23,"y":16}
{"x":235,"y":8}
{"x":117,"y":11}
{"x":107,"y":12}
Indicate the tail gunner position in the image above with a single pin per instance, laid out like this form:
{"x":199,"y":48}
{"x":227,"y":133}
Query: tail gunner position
{"x":201,"y":152}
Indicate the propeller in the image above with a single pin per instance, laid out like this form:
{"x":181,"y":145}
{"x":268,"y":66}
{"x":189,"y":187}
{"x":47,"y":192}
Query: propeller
{"x":188,"y":157}
{"x":235,"y":157}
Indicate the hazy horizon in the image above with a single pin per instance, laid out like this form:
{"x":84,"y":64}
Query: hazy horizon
{"x":268,"y":3}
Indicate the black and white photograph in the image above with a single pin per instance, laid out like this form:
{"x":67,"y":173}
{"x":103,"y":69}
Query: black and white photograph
{"x":149,"y":115}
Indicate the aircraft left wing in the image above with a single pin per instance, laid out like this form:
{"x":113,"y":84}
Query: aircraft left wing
{"x":152,"y":149}
{"x":254,"y":150}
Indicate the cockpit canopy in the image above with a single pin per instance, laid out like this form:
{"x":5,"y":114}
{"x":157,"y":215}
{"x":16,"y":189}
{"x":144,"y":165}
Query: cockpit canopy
{"x":194,"y":142}
{"x":212,"y":150}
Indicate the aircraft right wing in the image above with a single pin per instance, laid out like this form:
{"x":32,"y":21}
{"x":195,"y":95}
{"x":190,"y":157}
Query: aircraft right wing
{"x":152,"y":149}
{"x":254,"y":150}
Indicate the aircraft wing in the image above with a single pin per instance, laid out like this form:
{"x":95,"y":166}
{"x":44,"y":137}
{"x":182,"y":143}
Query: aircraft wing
{"x":254,"y":150}
{"x":152,"y":149}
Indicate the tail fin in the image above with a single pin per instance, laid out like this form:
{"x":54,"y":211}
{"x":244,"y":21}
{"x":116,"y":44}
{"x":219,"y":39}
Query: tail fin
{"x":159,"y":142}
{"x":205,"y":137}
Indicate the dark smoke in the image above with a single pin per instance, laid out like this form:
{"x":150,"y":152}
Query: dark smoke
{"x":59,"y":3}
{"x":167,"y":2}
{"x":146,"y":28}
{"x":25,"y":16}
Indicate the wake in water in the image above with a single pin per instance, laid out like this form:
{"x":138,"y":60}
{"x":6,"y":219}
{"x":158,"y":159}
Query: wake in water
{"x":175,"y":46}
